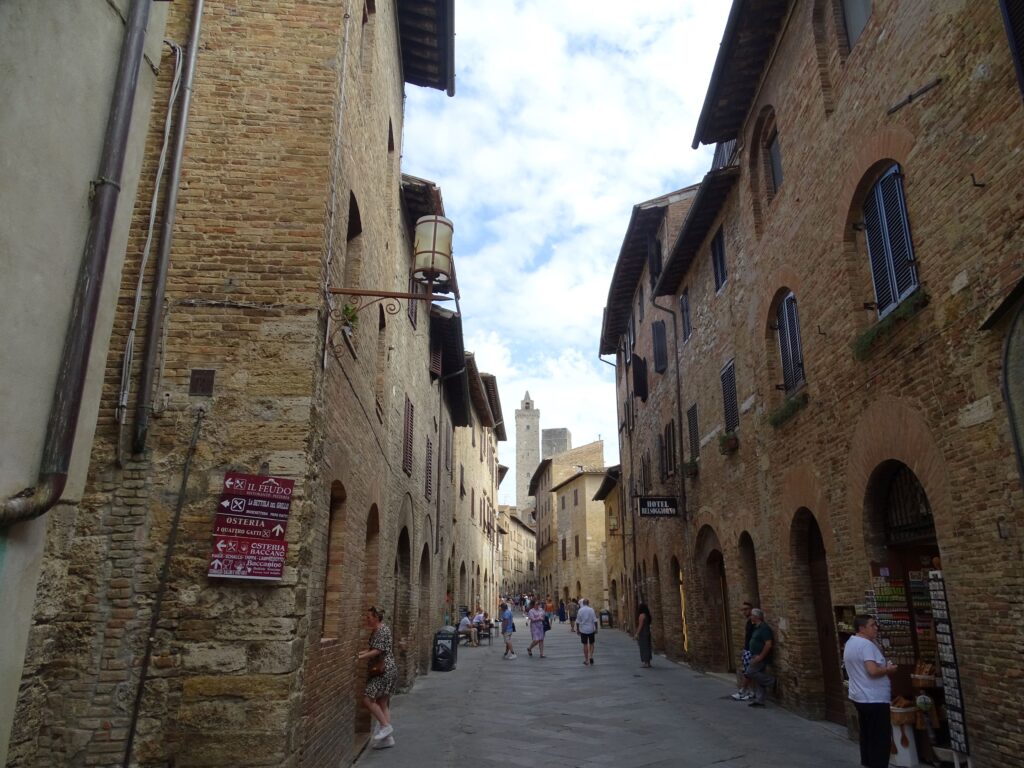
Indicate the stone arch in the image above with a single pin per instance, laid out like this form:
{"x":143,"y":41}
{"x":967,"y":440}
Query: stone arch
{"x":402,"y":609}
{"x":371,"y":595}
{"x":1013,"y":385}
{"x":811,"y":642}
{"x":655,"y":603}
{"x":758,"y":170}
{"x":334,"y":559}
{"x":425,"y":610}
{"x":354,"y":243}
{"x":748,"y":570}
{"x":889,"y":429}
{"x":714,"y":648}
{"x":675,"y":609}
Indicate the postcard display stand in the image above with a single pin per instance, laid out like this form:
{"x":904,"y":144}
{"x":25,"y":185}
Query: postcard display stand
{"x":947,"y":663}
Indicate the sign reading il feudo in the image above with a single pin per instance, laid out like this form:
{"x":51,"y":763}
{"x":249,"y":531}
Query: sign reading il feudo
{"x":657,"y":506}
{"x":250,"y":526}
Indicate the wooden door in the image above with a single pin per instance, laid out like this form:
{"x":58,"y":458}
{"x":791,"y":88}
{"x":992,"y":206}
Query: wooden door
{"x":828,"y":645}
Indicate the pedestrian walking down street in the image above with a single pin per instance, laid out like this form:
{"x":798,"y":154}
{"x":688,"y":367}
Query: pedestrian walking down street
{"x":745,"y":692}
{"x":562,"y":616}
{"x":761,"y":641}
{"x":537,"y":617}
{"x":382,"y":680}
{"x":643,"y":633}
{"x":573,"y":608}
{"x":586,"y":623}
{"x":870,"y":690}
{"x":508,"y":626}
{"x":549,"y":609}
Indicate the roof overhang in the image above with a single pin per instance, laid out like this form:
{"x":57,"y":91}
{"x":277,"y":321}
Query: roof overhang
{"x":629,"y":268}
{"x":446,"y":326}
{"x":535,"y":477}
{"x":713,"y":191}
{"x":611,"y":479}
{"x":491,"y":386}
{"x":427,"y":36}
{"x":746,"y":46}
{"x":478,"y":392}
{"x":502,"y":471}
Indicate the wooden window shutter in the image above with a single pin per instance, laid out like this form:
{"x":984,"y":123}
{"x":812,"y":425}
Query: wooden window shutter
{"x":718,"y":259}
{"x":407,"y":438}
{"x":428,"y":485}
{"x":790,"y":350}
{"x":890,"y":251}
{"x":729,"y":399}
{"x":660,"y":346}
{"x":435,"y":357}
{"x":640,"y":378}
{"x":653,"y":259}
{"x":670,"y":448}
{"x":662,"y":458}
{"x":1013,"y":19}
{"x":684,"y":311}
{"x":693,"y":432}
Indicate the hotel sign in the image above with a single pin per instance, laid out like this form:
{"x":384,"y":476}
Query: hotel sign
{"x":657,"y":506}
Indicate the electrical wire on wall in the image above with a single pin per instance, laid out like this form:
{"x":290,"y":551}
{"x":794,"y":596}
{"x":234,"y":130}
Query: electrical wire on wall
{"x":129,"y":347}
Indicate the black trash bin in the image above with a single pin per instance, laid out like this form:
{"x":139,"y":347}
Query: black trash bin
{"x":606,"y":618}
{"x":446,"y":649}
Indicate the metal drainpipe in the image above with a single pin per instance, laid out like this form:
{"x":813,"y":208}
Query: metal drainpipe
{"x":67,"y":399}
{"x":153,"y":327}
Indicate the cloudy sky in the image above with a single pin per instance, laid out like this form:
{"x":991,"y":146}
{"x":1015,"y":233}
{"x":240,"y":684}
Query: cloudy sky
{"x":567,"y":113}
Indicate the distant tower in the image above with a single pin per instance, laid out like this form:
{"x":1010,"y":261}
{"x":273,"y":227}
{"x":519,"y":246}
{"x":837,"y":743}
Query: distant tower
{"x":555,"y":441}
{"x":527,"y":452}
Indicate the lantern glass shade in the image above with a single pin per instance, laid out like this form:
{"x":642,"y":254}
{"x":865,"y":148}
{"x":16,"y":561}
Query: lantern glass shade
{"x":432,"y":252}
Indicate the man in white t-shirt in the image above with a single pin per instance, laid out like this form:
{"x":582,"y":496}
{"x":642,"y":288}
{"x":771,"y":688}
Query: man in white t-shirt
{"x":466,"y":628}
{"x":870,"y":691}
{"x":586,"y":625}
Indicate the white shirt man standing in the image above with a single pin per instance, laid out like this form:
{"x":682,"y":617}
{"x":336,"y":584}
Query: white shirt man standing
{"x":870,"y":690}
{"x":586,"y":625}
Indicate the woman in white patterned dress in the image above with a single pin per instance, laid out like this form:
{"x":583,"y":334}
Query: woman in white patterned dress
{"x":380,"y":687}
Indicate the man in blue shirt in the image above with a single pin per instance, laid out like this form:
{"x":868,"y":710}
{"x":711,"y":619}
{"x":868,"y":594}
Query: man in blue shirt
{"x":760,"y":647}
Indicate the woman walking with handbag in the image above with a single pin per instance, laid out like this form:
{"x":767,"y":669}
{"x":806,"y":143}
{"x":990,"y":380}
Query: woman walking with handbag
{"x":537,"y":618}
{"x":382,"y":679}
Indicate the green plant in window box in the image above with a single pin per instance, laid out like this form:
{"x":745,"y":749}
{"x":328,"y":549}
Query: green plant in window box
{"x":691,"y":468}
{"x":789,"y":408}
{"x":728,"y":442}
{"x":349,"y":316}
{"x":909,"y":307}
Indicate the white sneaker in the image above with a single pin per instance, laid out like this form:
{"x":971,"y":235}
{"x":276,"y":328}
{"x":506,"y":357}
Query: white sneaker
{"x":739,"y":696}
{"x":384,"y":732}
{"x":512,"y":656}
{"x":384,"y":743}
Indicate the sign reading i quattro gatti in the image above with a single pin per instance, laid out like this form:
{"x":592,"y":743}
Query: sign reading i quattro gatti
{"x":250,"y":526}
{"x":657,"y":506}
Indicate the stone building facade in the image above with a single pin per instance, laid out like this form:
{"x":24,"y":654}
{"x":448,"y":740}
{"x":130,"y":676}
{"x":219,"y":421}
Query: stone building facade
{"x":552,"y":527}
{"x":291,"y":188}
{"x":847,"y":282}
{"x":647,"y":386}
{"x":520,"y":549}
{"x":583,"y":538}
{"x":475,"y":562}
{"x":618,"y":536}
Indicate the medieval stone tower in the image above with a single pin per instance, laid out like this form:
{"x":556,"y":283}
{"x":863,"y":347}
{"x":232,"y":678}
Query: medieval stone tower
{"x":527,"y":451}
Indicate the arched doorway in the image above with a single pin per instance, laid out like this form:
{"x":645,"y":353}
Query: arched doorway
{"x":426,"y":611}
{"x":402,"y":601}
{"x":655,"y":603}
{"x":678,"y":605}
{"x":371,"y":596}
{"x":462,"y":599}
{"x":748,"y":570}
{"x":716,"y":648}
{"x":903,"y":548}
{"x":813,"y":596}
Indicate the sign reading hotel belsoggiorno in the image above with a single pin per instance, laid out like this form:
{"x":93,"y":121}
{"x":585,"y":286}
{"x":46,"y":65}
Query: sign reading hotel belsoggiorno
{"x":250,"y":526}
{"x":657,"y":506}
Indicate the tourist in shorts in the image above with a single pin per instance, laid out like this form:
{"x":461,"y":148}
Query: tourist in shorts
{"x":586,"y":625}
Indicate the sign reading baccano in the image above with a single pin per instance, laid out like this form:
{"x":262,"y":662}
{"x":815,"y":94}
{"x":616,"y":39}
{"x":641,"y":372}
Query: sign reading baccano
{"x":250,"y":526}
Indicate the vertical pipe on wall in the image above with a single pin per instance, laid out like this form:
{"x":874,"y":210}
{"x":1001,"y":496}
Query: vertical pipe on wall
{"x":67,"y":400}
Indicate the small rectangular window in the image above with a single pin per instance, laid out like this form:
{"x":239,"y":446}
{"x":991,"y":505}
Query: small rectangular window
{"x":410,"y":413}
{"x":414,"y":304}
{"x":693,"y":432}
{"x":730,"y":405}
{"x":775,"y":163}
{"x":684,"y":311}
{"x":575,"y":497}
{"x":670,"y":448}
{"x":563,"y":549}
{"x":789,"y":343}
{"x":428,"y":483}
{"x":718,"y":259}
{"x":660,"y":343}
{"x":653,"y":260}
{"x":577,"y":544}
{"x":640,"y":378}
{"x":640,"y":303}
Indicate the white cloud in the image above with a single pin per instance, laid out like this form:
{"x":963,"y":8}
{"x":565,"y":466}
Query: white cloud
{"x":567,"y":114}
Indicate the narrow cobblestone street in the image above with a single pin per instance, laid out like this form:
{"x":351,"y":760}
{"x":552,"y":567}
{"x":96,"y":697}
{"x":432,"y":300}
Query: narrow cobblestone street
{"x":554,"y":712}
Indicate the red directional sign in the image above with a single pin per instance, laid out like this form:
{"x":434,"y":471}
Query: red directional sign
{"x":250,"y":527}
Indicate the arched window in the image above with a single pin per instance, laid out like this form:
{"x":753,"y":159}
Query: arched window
{"x":790,"y":347}
{"x":890,"y":250}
